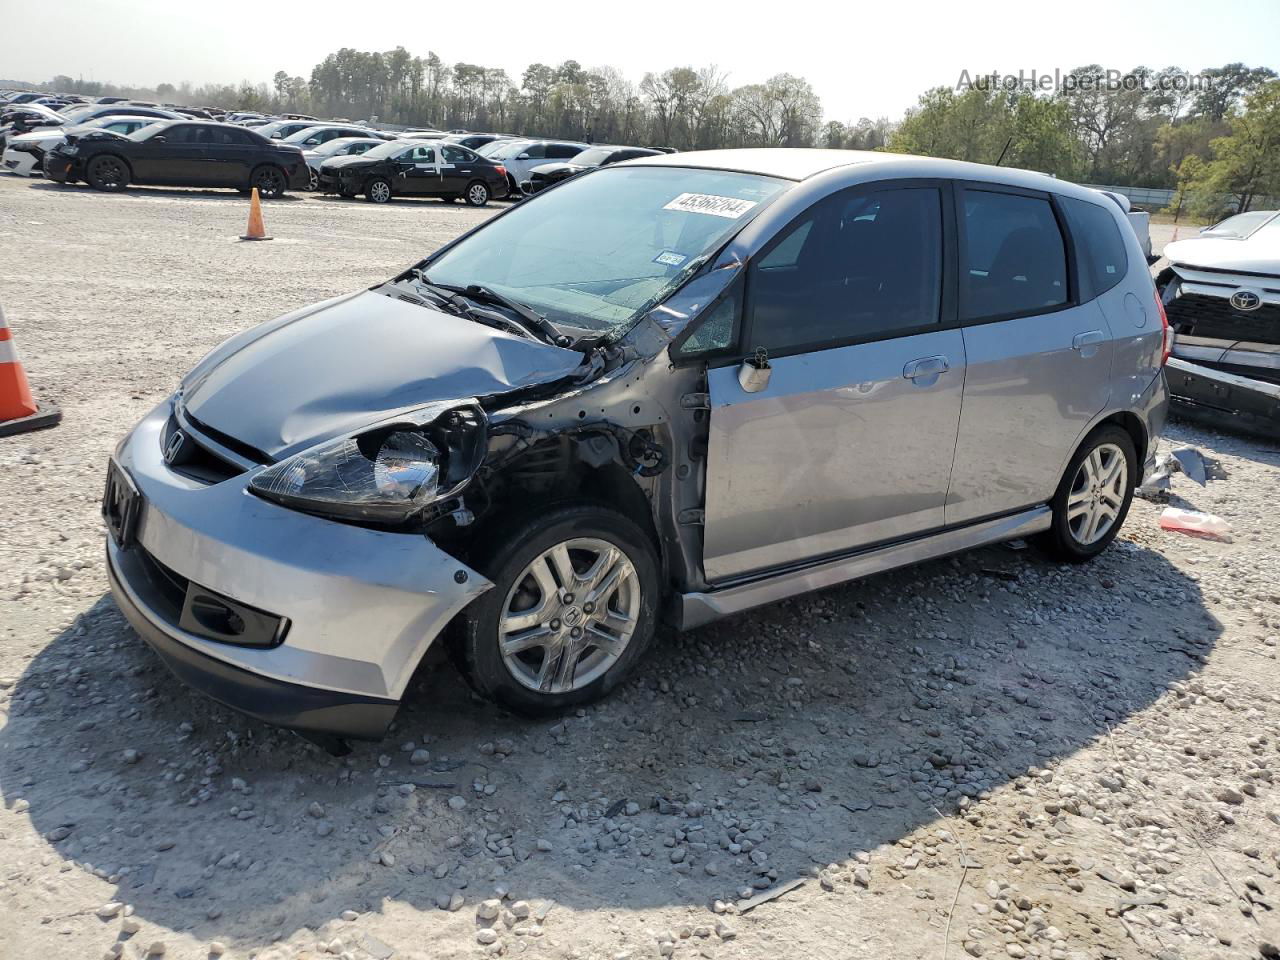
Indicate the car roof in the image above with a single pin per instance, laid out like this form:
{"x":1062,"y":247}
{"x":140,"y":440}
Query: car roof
{"x":801,"y":163}
{"x":197,"y":122}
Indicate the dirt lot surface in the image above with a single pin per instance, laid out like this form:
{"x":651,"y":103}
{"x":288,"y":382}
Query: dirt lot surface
{"x":992,"y":755}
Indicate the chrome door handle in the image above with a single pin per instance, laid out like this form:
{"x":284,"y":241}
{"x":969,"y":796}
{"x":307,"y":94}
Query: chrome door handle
{"x":925,"y":367}
{"x":1087,"y":339}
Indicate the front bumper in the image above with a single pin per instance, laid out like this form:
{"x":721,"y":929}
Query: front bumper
{"x":303,"y":708}
{"x":1223,"y":399}
{"x":21,"y":162}
{"x":61,"y":168}
{"x":299,"y":176}
{"x":362,"y":605}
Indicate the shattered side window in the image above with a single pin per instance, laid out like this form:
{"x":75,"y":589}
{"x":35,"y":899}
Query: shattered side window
{"x":716,"y":331}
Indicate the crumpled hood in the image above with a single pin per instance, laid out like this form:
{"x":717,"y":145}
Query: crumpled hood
{"x":354,"y":361}
{"x":1261,"y":255}
{"x":333,"y":163}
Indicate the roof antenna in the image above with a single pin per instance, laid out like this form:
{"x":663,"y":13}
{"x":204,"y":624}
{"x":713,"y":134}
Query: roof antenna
{"x":1007,"y":144}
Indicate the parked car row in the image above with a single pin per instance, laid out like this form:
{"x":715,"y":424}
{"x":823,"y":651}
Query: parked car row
{"x":110,"y":145}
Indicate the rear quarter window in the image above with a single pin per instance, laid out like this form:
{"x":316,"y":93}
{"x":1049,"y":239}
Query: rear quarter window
{"x":1100,"y":247}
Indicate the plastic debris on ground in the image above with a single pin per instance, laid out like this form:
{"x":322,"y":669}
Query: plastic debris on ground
{"x":1194,"y":522}
{"x":1185,"y":460}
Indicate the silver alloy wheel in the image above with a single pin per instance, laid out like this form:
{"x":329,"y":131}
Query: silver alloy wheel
{"x":1097,"y":494}
{"x":478,"y":194}
{"x":313,"y":179}
{"x":380,"y":192}
{"x":569,"y":616}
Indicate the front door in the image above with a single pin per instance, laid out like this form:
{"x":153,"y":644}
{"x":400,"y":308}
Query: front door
{"x":1039,"y":360}
{"x":851,"y":441}
{"x":417,"y":172}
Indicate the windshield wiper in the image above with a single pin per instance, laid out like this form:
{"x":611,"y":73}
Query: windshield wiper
{"x":531,"y":318}
{"x":448,"y":297}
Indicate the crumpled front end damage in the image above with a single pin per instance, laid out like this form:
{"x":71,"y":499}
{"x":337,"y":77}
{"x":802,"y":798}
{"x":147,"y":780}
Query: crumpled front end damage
{"x":341,"y":610}
{"x":627,"y":430}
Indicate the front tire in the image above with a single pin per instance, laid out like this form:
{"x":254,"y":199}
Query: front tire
{"x":270,"y":182}
{"x":313,"y":180}
{"x":107,"y":173}
{"x":571,"y":613}
{"x":378,"y":191}
{"x":1094,"y":496}
{"x":477,"y":194}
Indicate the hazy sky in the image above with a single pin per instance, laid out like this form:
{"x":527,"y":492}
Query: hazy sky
{"x":863,"y":60}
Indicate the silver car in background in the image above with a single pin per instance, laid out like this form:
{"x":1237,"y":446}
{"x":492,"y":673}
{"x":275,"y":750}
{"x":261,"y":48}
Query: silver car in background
{"x":521,"y":156}
{"x":676,"y":387}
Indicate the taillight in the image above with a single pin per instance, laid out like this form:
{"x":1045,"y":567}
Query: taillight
{"x":502,"y":171}
{"x":1168,"y":330}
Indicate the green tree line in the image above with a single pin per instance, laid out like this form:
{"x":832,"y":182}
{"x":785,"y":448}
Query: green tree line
{"x":1216,"y":139}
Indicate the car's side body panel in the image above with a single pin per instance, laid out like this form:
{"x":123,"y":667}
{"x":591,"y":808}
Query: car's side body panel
{"x":838,"y":451}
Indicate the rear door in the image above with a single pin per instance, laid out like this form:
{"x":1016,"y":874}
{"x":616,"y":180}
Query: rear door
{"x":850,"y":443}
{"x":242,"y":149}
{"x":1039,"y":359}
{"x":457,"y":167}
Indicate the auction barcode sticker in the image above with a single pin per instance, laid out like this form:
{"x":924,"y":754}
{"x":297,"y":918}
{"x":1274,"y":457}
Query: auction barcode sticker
{"x":729,"y":207}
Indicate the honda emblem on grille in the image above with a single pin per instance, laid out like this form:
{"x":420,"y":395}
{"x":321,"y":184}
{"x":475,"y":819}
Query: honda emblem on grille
{"x":174,"y":447}
{"x":1245,"y":300}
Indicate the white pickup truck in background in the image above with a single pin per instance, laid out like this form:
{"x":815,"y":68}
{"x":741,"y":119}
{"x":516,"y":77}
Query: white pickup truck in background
{"x":1140,"y":220}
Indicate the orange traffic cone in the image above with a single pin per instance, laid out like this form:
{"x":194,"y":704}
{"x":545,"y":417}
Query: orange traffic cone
{"x":18,"y":410}
{"x":256,"y":229}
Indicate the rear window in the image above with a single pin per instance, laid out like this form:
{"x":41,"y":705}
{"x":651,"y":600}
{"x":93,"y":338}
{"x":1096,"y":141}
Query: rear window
{"x":1099,"y":246}
{"x":1014,"y":260}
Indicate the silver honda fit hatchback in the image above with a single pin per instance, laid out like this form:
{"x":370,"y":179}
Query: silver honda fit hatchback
{"x":673,"y":388}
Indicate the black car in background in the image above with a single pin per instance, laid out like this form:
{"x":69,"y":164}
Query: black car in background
{"x":416,"y":168}
{"x":476,"y":140}
{"x":547,"y":174}
{"x":180,"y":153}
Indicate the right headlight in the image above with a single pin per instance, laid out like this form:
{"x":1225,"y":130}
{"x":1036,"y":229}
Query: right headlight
{"x":386,"y":475}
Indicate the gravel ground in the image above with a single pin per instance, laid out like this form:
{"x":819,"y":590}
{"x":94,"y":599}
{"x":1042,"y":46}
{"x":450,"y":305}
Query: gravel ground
{"x":990,"y":755}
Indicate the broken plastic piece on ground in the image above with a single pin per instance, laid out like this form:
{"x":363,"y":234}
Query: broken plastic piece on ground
{"x":1188,"y":460}
{"x":1196,"y":523}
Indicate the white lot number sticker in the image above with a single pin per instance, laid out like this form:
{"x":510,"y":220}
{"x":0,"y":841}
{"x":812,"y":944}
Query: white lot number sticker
{"x":731,"y":208}
{"x":669,"y":258}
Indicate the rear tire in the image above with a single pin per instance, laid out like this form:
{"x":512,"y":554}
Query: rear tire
{"x":1094,"y":496}
{"x":377,"y":190}
{"x":270,"y":181}
{"x":107,"y":173}
{"x":594,"y":624}
{"x":477,"y":194}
